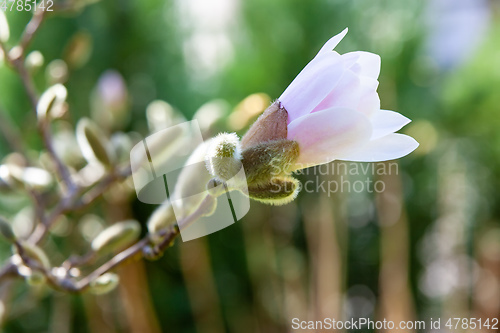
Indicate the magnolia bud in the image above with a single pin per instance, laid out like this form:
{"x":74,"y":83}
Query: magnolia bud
{"x":10,"y":175}
{"x":6,"y":230}
{"x":36,"y":178}
{"x":270,"y":126}
{"x":224,"y":156}
{"x":23,"y":222}
{"x":33,"y":252}
{"x":4,"y":186}
{"x":15,"y":53}
{"x":122,"y":144}
{"x":190,"y":188}
{"x":104,"y":284}
{"x":161,"y":219}
{"x":209,"y":114}
{"x":269,"y":159}
{"x":56,"y":71}
{"x":52,"y":102}
{"x":110,"y":101}
{"x":161,"y":115}
{"x":64,"y":141}
{"x":34,"y":60}
{"x":116,"y":237}
{"x":4,"y":28}
{"x":78,"y":50}
{"x":93,"y":143}
{"x":279,"y":191}
{"x":17,"y":177}
{"x":35,"y":278}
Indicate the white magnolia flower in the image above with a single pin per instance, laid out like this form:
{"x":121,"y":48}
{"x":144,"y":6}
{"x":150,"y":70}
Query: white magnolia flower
{"x":334,"y":110}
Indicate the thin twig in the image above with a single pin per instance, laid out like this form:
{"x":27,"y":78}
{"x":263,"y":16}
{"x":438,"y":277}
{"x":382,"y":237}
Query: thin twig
{"x":17,"y":62}
{"x":32,"y":28}
{"x":29,"y":87}
{"x":135,"y":249}
{"x":69,"y":202}
{"x":113,"y":177}
{"x":42,"y":228}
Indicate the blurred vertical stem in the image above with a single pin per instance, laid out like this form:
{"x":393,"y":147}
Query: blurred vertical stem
{"x":455,"y":200}
{"x":327,"y":279}
{"x":259,"y":247}
{"x":291,"y":263}
{"x":60,"y":321}
{"x":200,"y":284}
{"x":141,"y":316}
{"x":94,"y":309}
{"x":395,"y":298}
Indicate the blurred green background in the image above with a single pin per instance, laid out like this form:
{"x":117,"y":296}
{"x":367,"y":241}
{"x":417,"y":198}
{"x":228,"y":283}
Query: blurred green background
{"x":428,"y":246}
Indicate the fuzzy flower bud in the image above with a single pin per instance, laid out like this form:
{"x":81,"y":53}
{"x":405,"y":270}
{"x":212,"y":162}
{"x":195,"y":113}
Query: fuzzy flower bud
{"x":161,"y":219}
{"x":95,"y":147}
{"x":278,"y":191}
{"x":116,"y":237}
{"x":268,"y":156}
{"x":224,"y":156}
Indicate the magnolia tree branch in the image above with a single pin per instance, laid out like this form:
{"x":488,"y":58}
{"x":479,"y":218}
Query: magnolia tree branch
{"x":77,"y":200}
{"x":28,"y":259}
{"x":143,"y":248}
{"x":31,"y":28}
{"x":15,"y":57}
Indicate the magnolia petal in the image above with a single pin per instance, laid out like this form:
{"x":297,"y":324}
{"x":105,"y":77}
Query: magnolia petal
{"x":312,"y":85}
{"x":369,"y":101}
{"x":363,"y":63}
{"x":346,"y":93}
{"x":333,"y":42}
{"x":326,"y":134}
{"x":386,"y":148}
{"x":386,"y":122}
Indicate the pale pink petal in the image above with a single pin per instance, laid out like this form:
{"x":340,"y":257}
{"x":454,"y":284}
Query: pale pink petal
{"x":386,"y":122}
{"x":326,"y":134}
{"x":369,"y":101}
{"x":333,"y":42}
{"x":386,"y":148}
{"x":345,"y":94}
{"x":363,"y":63}
{"x":312,"y":84}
